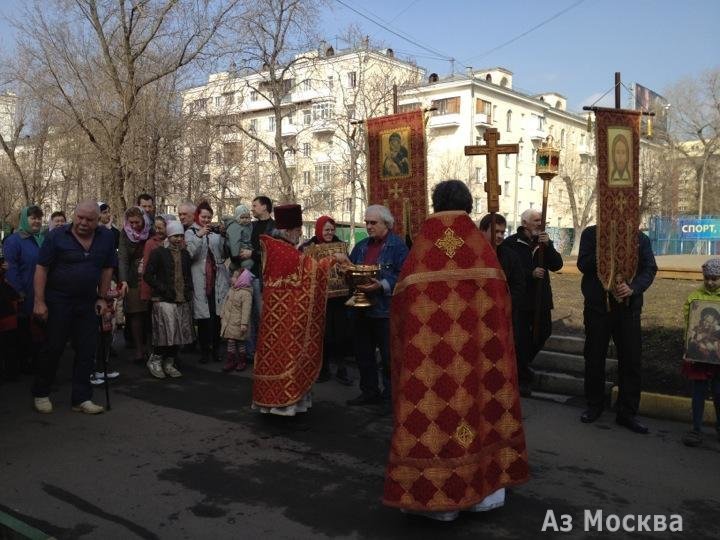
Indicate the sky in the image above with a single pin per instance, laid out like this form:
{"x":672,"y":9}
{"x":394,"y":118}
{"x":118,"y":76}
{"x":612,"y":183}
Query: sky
{"x":576,"y":53}
{"x":652,"y":42}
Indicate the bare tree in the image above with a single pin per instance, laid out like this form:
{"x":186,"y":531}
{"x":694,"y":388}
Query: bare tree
{"x":695,"y":131}
{"x":578,"y":175}
{"x":91,"y":60}
{"x":273,"y":35}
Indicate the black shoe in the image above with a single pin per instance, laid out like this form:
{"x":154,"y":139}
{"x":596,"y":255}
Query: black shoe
{"x":342,"y":376}
{"x":631,"y":423}
{"x":204,"y":358}
{"x":364,"y":399}
{"x":590,"y":415}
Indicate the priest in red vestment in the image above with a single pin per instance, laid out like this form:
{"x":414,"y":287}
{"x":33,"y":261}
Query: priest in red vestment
{"x":290,"y":340}
{"x":458,"y":438}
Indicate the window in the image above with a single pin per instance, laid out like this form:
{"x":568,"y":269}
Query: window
{"x":199,"y":105}
{"x":352,"y":79}
{"x":307,"y":117}
{"x":532,"y":204}
{"x":218,"y":101}
{"x":507,"y":161}
{"x":350,"y":109}
{"x":478,"y":175}
{"x":478,"y":205}
{"x":533,"y":155}
{"x":271,"y":123}
{"x":231,"y":153}
{"x":484,"y":107}
{"x":330,"y":82}
{"x":253,"y":125}
{"x":508,"y":122}
{"x":347,"y":205}
{"x":271,"y":154}
{"x":582,"y":139}
{"x":306,"y":85}
{"x":322,"y":111}
{"x":306,"y":149}
{"x":532,"y":183}
{"x":306,"y":178}
{"x":562,"y":138}
{"x":506,"y":188}
{"x":408,"y":107}
{"x":447,"y":105}
{"x":291,"y":118}
{"x":253,"y":95}
{"x":494,"y":114}
{"x":228,"y":98}
{"x":322,"y":175}
{"x":201,"y":155}
{"x":218,"y":158}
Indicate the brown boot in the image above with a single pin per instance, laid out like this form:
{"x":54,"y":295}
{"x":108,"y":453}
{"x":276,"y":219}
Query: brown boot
{"x":230,"y":362}
{"x":241,"y":362}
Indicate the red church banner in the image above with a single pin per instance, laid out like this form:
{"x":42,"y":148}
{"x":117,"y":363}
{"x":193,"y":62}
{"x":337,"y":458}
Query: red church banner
{"x":397,"y":168}
{"x":618,"y":213}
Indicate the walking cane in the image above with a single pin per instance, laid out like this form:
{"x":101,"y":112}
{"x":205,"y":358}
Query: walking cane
{"x":105,"y":328}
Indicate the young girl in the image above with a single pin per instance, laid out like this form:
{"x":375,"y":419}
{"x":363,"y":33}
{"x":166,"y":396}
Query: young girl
{"x":701,"y":374}
{"x":168,"y":273}
{"x":235,"y":319}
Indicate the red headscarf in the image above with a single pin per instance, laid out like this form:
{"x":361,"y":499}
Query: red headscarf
{"x":320,"y":225}
{"x":202,"y":206}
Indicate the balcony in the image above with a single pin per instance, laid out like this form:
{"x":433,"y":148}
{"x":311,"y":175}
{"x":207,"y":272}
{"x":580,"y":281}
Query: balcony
{"x":586,"y":150}
{"x":322,"y":125}
{"x":289,"y":130}
{"x":537,"y":134}
{"x":451,"y":120}
{"x":482,"y":120}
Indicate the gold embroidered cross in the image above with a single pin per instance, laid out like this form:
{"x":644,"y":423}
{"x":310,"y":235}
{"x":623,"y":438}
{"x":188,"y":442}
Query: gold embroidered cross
{"x":464,"y":434}
{"x":449,"y":243}
{"x":396,"y":191}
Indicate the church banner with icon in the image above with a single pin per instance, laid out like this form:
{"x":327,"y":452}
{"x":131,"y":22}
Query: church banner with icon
{"x":618,"y":213}
{"x":337,"y":285}
{"x":397,"y":168}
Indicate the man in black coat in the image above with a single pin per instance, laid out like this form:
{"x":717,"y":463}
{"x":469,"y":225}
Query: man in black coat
{"x":615,"y":314}
{"x":514,"y":274}
{"x":526,"y":245}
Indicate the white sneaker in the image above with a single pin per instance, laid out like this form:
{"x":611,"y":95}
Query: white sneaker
{"x":170,"y":369}
{"x":95,"y":380}
{"x":88,"y":407}
{"x":43,"y":405}
{"x":110,"y":374}
{"x":154,"y":364}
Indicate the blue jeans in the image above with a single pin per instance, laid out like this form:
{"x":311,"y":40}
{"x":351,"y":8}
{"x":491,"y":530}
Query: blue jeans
{"x":371,"y":334}
{"x":257,"y":304}
{"x":79,"y":323}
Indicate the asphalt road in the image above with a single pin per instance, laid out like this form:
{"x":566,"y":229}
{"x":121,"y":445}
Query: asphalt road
{"x":188,"y":458}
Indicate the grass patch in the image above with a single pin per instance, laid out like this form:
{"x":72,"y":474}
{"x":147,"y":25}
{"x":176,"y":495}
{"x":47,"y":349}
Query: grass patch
{"x":663,"y":327}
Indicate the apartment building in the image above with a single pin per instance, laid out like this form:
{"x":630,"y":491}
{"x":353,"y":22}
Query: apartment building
{"x":231,"y":145}
{"x":463,"y":106}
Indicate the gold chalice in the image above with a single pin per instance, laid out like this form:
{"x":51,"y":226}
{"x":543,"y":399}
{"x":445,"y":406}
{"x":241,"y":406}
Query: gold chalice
{"x":360,"y":274}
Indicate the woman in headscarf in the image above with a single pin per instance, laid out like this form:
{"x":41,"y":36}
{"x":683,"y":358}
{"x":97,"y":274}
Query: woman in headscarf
{"x":21,"y":254}
{"x":336,"y":320}
{"x":211,"y":280}
{"x":155,"y":241}
{"x":133,"y":236}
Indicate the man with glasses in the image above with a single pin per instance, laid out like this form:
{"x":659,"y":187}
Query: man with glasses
{"x":372,"y":325}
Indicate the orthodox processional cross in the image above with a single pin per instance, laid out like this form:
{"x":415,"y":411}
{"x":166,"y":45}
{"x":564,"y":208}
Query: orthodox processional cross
{"x":491,"y":151}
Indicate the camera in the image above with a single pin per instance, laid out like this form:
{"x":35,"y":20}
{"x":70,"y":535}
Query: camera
{"x":216,"y":228}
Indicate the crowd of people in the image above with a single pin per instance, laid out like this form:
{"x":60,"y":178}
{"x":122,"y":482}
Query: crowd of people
{"x":446,"y":344}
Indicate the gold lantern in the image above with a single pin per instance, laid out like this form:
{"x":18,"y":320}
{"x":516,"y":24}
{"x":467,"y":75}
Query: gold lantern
{"x":548,"y":160}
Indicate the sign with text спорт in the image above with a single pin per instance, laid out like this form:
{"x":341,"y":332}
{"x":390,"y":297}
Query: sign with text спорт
{"x":699,"y":229}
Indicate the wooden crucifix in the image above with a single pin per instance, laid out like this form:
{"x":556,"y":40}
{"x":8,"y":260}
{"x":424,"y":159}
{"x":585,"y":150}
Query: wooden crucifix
{"x":492,"y":185}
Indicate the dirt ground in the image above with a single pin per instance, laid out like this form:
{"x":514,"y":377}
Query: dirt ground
{"x":663,"y":327}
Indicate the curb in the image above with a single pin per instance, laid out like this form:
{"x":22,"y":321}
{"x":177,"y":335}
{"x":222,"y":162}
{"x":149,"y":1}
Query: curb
{"x":669,"y":407}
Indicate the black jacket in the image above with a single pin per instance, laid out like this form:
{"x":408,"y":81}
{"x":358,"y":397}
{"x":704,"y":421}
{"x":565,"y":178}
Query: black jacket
{"x":160,"y":275}
{"x":596,"y":298}
{"x":527,"y":253}
{"x":514,"y":274}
